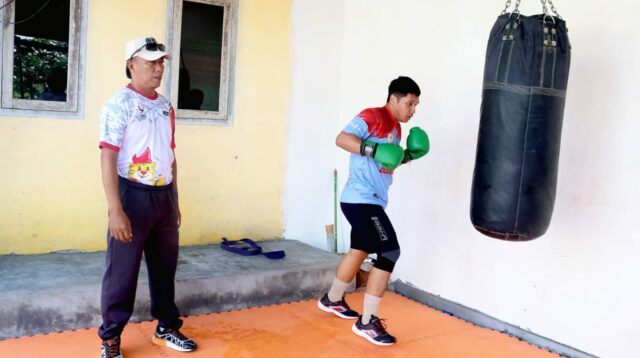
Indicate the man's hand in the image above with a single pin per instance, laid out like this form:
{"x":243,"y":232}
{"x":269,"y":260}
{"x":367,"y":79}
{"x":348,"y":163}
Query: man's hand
{"x":119,"y":226}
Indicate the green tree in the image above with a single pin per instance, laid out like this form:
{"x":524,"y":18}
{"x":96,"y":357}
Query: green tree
{"x":34,"y":60}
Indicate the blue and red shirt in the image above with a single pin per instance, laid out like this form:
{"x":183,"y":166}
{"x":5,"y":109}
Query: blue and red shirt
{"x":368,"y":182}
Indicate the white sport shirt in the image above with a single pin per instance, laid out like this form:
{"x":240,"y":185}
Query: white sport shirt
{"x":141,"y":129}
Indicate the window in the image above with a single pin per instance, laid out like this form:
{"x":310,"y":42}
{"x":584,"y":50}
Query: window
{"x":201,"y":71}
{"x":40,"y":55}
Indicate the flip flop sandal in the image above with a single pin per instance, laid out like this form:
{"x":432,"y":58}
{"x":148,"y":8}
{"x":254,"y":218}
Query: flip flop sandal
{"x":248,"y":247}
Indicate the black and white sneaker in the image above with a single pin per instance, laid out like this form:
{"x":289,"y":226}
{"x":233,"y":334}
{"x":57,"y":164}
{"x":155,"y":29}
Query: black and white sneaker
{"x":339,"y":308}
{"x":374,"y":331}
{"x":111,"y":348}
{"x":174,"y":339}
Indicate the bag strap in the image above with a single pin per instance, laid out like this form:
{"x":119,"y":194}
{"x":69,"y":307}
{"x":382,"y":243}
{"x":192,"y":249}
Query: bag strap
{"x":248,"y":247}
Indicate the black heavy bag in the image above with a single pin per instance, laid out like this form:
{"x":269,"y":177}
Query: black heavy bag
{"x":516,"y":169}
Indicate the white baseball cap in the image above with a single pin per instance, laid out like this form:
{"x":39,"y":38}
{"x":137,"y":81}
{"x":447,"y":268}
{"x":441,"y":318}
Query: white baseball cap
{"x":145,"y":47}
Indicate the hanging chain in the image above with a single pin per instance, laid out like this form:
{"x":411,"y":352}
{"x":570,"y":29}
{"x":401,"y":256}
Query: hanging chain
{"x":553,"y":8}
{"x":509,"y":4}
{"x":545,"y":10}
{"x":506,"y":7}
{"x":544,"y":7}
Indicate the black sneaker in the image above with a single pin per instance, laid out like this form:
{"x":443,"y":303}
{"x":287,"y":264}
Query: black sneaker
{"x":374,"y":331}
{"x":339,"y":308}
{"x":174,"y":339}
{"x":111,"y":348}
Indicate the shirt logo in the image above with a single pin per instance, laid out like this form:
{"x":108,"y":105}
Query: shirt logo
{"x":391,"y":137}
{"x":141,"y":115}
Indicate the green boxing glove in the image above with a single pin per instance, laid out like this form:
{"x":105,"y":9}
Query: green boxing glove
{"x":388,"y":154}
{"x":417,"y":144}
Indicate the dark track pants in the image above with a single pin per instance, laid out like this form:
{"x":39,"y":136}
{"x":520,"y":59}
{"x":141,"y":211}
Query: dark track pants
{"x":153,"y":213}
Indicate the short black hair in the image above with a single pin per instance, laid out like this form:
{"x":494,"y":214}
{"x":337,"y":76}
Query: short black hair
{"x":402,"y":86}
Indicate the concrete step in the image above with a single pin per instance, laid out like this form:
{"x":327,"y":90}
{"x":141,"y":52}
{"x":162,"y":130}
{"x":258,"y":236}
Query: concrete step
{"x":61,"y":291}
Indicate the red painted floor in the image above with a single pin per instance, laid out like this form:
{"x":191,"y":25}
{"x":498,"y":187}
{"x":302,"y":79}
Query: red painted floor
{"x":294,"y":330}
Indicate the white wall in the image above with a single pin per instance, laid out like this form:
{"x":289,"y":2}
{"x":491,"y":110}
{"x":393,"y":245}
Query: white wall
{"x":578,"y":284}
{"x":317,"y":31}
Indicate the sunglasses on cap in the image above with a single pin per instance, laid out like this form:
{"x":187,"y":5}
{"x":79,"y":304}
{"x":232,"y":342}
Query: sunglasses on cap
{"x":150,"y":45}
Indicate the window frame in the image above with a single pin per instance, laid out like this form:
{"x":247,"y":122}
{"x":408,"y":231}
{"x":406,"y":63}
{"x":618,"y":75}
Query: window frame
{"x":75,"y":68}
{"x":223,"y":115}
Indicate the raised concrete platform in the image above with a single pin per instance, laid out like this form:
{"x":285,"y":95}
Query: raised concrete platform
{"x":61,"y":291}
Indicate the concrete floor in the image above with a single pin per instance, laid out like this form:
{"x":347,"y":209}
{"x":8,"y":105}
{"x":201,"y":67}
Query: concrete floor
{"x":297,"y":329}
{"x":61,"y":291}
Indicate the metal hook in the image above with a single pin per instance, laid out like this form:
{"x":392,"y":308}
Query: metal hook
{"x":544,"y":19}
{"x":516,"y":11}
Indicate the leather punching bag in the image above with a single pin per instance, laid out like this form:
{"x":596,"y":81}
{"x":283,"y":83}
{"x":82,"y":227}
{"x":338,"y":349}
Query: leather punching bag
{"x":524,"y":89}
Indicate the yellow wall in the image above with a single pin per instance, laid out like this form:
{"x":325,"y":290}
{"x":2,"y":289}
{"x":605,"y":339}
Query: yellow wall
{"x":231,"y":178}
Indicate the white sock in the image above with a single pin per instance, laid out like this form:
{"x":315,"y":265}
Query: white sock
{"x":371,"y":304}
{"x":337,"y":290}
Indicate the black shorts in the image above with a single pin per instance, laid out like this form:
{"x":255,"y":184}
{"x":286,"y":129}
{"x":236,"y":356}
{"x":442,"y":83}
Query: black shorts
{"x":371,"y":229}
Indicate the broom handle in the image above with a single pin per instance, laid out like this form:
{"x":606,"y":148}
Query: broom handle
{"x":335,"y":210}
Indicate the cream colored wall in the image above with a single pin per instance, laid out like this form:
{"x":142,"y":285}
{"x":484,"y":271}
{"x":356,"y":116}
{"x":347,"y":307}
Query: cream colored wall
{"x":230,"y":177}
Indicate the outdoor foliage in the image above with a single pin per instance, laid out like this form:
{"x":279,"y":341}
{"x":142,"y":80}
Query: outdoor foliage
{"x":35,"y":61}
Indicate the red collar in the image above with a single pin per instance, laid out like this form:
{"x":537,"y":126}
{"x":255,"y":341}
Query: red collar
{"x":155,"y":96}
{"x":386,"y":107}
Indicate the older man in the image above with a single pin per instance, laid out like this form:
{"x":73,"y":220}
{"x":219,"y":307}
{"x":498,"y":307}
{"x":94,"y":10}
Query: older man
{"x":139,"y":177}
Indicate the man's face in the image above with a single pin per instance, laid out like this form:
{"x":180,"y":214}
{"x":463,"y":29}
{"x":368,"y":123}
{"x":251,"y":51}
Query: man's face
{"x":147,"y":74}
{"x":403,"y":108}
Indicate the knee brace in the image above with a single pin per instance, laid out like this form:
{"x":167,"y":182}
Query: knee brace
{"x":386,"y":261}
